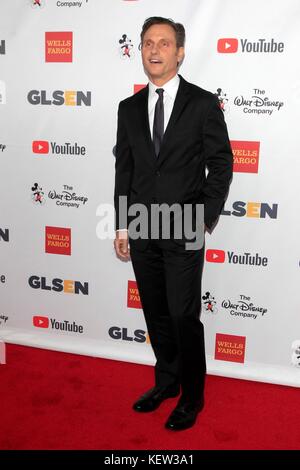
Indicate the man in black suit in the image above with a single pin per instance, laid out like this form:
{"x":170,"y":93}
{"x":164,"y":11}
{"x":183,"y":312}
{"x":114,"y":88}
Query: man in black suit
{"x":172,"y":148}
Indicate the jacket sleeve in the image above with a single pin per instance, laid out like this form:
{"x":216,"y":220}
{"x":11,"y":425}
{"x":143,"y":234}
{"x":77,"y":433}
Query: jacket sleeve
{"x":123,"y":171}
{"x":219,"y":163}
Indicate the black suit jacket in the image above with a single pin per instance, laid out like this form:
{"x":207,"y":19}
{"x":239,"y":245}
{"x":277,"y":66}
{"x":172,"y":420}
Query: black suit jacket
{"x":195,"y":139}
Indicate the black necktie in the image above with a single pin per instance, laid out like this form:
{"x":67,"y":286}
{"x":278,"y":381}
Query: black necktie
{"x":158,"y":123}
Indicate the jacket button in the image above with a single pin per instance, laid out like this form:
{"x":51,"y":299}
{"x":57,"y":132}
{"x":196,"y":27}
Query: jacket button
{"x":157,"y":173}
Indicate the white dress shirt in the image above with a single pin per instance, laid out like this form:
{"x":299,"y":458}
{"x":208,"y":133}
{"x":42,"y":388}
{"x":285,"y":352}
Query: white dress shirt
{"x":170,"y":92}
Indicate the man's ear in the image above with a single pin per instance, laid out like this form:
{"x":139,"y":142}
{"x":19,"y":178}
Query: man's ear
{"x":180,"y":55}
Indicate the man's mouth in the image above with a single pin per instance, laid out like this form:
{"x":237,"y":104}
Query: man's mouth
{"x":155,"y":61}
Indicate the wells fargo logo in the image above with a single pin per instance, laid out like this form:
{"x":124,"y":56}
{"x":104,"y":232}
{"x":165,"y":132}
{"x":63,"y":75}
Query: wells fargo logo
{"x":133,"y":296}
{"x":230,"y":348}
{"x":58,"y":240}
{"x":138,"y":87}
{"x":59,"y":46}
{"x":245,"y":156}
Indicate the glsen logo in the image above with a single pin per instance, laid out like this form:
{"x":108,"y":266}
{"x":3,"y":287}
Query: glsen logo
{"x":227,"y":45}
{"x":125,"y":47}
{"x":244,"y":308}
{"x":59,"y":46}
{"x":2,"y":147}
{"x":58,"y":240}
{"x":258,"y":103}
{"x":4,"y":234}
{"x":139,"y":336}
{"x":59,"y":98}
{"x":59,"y":285}
{"x":42,"y":146}
{"x":2,"y":92}
{"x":2,"y":46}
{"x":258,"y":210}
{"x":65,"y":325}
{"x":230,"y":348}
{"x":137,"y":88}
{"x":40,"y":322}
{"x":133,"y":296}
{"x":245,"y":156}
{"x":215,"y":256}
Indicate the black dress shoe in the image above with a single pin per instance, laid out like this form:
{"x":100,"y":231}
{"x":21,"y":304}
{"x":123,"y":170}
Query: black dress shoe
{"x":184,"y":415}
{"x":151,"y":400}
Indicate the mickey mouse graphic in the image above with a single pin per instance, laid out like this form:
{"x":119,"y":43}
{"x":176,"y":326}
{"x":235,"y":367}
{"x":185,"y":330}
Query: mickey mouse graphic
{"x":126,"y":46}
{"x":209,"y":302}
{"x":223,"y":100}
{"x":38,"y":194}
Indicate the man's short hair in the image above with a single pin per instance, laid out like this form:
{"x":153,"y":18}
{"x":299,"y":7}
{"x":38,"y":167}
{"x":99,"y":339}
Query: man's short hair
{"x":177,"y":27}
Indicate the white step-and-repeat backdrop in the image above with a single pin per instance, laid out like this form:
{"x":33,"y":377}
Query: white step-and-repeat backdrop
{"x":64,"y":67}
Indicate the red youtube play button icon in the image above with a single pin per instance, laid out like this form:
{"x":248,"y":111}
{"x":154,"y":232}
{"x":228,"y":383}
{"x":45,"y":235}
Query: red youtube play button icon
{"x":40,"y":146}
{"x":40,"y":322}
{"x":227,"y":45}
{"x":215,"y":256}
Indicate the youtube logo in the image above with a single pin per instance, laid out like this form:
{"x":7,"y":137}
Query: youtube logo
{"x":40,"y":322}
{"x":215,"y":256}
{"x":40,"y":146}
{"x":227,"y":45}
{"x":260,"y":46}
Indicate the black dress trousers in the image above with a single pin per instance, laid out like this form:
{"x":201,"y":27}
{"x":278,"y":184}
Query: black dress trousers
{"x":169,"y":283}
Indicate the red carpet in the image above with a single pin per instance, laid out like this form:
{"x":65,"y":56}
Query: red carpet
{"x":52,"y":400}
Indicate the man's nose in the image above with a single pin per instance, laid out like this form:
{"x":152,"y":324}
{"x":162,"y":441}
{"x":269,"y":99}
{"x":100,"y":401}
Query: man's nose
{"x":154,"y":48}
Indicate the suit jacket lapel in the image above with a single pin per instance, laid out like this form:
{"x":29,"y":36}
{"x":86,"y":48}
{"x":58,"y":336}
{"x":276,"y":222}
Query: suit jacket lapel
{"x":144,"y":122}
{"x":180,"y":103}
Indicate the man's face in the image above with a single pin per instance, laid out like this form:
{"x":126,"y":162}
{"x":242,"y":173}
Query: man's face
{"x":160,"y":54}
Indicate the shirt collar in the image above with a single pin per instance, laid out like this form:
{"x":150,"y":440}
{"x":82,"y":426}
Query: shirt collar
{"x":169,"y":87}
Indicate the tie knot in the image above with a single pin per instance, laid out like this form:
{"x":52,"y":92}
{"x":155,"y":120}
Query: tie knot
{"x":160,"y":92}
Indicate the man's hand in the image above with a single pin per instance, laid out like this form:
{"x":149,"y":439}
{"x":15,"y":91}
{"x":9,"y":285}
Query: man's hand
{"x":121,"y":245}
